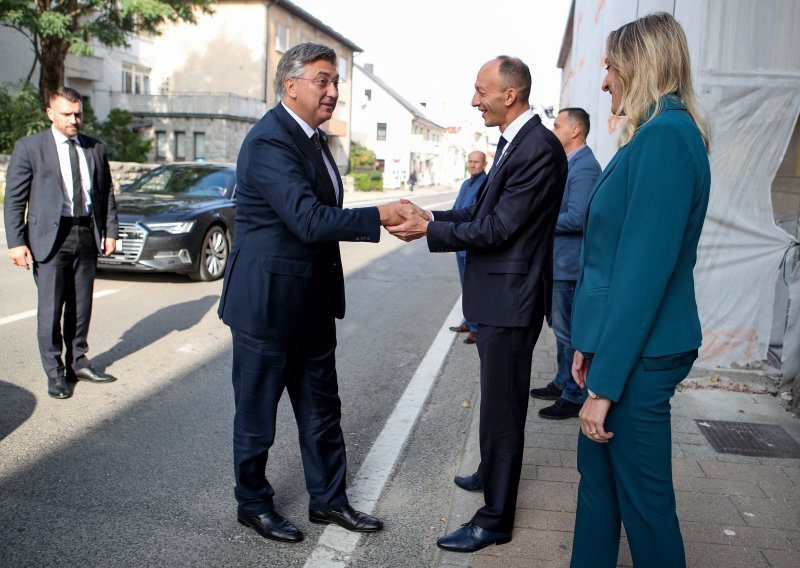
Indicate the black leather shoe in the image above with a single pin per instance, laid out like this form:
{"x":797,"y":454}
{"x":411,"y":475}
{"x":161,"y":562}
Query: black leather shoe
{"x":547,"y":393}
{"x":91,"y":374}
{"x":271,"y":525}
{"x":57,"y":388}
{"x":471,"y":538}
{"x":472,"y":482}
{"x":346,"y":517}
{"x":561,"y":410}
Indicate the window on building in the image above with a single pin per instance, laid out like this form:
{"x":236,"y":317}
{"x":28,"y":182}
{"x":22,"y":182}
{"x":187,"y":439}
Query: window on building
{"x":342,"y":69}
{"x":180,"y":145}
{"x":135,"y":79}
{"x":199,"y":145}
{"x":381,"y":134}
{"x":161,"y":145}
{"x":368,"y":94}
{"x":281,"y":38}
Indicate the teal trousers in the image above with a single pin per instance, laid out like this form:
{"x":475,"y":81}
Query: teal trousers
{"x":629,"y":480}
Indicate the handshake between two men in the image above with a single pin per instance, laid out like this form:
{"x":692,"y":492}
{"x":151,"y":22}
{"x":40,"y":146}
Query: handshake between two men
{"x":405,"y":220}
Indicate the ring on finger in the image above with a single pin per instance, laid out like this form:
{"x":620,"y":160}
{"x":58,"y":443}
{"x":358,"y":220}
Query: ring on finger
{"x":593,"y":433}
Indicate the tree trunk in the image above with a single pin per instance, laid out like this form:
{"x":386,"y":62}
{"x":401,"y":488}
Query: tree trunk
{"x":51,"y":76}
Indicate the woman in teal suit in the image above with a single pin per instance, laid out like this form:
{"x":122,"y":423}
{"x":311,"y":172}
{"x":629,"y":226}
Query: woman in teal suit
{"x":635,"y":323}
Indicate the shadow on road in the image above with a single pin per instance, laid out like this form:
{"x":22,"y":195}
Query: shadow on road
{"x":16,"y":406}
{"x":177,"y":317}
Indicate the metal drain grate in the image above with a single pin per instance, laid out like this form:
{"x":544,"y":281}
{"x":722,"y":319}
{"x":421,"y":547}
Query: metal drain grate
{"x":749,"y":439}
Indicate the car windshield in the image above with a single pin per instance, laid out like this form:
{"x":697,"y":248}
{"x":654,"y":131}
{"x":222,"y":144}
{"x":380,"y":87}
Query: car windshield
{"x":191,"y":181}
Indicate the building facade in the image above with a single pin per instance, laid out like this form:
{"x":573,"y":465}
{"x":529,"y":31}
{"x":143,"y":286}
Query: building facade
{"x":196,"y":89}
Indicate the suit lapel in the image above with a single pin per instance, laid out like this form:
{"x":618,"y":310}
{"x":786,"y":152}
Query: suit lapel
{"x":51,"y":159}
{"x":327,"y":150}
{"x":510,"y":147}
{"x":303,"y":142}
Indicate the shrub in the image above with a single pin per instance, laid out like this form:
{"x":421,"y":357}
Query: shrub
{"x":367,"y":180}
{"x":20,"y":115}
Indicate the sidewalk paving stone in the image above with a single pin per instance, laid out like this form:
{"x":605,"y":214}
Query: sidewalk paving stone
{"x":735,"y":511}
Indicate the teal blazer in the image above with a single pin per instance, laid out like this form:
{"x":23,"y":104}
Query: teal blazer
{"x":634,"y":297}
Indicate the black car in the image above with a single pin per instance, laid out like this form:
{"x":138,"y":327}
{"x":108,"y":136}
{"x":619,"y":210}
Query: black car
{"x":176,"y":218}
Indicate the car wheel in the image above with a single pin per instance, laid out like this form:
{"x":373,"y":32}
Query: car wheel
{"x":213,"y":255}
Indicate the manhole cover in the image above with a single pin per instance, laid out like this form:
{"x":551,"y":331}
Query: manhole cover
{"x":749,"y":439}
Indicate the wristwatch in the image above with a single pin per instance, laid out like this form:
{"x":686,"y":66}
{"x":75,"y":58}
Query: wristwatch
{"x":594,"y":395}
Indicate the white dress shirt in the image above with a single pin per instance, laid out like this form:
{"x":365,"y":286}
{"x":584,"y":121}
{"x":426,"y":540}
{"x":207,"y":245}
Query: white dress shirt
{"x":310,"y":132}
{"x":62,"y":146}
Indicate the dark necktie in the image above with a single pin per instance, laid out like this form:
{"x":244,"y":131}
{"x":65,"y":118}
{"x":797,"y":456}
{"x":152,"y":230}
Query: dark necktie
{"x":499,"y":152}
{"x":315,"y":140}
{"x":77,"y":184}
{"x":318,"y":141}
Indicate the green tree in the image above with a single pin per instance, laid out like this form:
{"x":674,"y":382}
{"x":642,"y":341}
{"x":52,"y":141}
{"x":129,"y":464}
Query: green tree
{"x":58,"y":27}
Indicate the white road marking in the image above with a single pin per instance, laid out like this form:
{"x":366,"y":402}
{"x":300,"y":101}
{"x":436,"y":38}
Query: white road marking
{"x":31,"y":313}
{"x":336,"y":544}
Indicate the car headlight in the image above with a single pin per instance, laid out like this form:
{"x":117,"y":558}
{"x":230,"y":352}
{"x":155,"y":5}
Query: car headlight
{"x":172,"y":228}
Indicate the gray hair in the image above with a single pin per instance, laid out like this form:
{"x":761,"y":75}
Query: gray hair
{"x":295,"y":59}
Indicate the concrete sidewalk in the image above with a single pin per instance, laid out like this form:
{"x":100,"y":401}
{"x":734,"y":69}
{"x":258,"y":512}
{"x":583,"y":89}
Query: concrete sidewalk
{"x":735,"y":511}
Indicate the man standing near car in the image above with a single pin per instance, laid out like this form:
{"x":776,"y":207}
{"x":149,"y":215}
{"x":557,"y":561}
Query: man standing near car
{"x":283,"y":288}
{"x":63,"y":180}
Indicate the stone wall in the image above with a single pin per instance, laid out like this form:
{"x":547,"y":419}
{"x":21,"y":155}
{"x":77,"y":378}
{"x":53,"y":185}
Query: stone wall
{"x":121,"y":172}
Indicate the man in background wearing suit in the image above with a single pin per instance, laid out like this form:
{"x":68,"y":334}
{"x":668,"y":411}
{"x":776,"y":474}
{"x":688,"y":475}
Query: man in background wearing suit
{"x":63,"y":180}
{"x":571,"y":127}
{"x":476,"y":164}
{"x":508,"y":235}
{"x":283,"y":288}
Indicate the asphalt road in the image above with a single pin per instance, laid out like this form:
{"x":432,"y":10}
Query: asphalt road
{"x":138,"y":472}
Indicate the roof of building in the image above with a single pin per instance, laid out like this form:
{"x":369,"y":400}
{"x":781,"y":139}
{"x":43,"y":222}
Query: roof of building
{"x":413,"y":109}
{"x":303,"y":15}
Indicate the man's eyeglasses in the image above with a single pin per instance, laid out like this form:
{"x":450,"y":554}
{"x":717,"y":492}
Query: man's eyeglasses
{"x":323,"y":82}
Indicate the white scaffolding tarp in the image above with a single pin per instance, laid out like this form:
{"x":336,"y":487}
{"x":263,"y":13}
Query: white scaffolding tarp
{"x":746,"y":61}
{"x":742,"y":249}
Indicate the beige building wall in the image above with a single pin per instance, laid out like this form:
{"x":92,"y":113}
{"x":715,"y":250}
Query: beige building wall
{"x":223,"y":52}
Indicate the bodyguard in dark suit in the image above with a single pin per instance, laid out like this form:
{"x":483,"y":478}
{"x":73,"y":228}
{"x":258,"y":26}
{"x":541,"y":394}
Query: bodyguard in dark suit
{"x":508,"y":235}
{"x":63,"y":180}
{"x":283,"y":288}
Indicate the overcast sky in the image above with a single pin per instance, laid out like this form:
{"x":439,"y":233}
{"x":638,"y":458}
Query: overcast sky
{"x":431,"y":50}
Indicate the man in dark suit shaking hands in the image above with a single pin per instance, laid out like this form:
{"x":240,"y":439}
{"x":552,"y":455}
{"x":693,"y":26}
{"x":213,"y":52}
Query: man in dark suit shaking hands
{"x":283,"y":288}
{"x":63,"y":180}
{"x":508,"y":234}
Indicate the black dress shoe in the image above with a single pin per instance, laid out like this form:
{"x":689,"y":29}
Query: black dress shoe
{"x":91,"y":374}
{"x":549,"y":392}
{"x":561,"y":410}
{"x":460,"y":329}
{"x":472,"y":482}
{"x":471,"y":538}
{"x":346,"y":517}
{"x":57,"y":388}
{"x":271,"y":525}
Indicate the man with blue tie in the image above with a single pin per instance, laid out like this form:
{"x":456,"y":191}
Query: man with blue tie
{"x":60,"y":214}
{"x":476,"y":166}
{"x":571,"y":127}
{"x":283,"y":289}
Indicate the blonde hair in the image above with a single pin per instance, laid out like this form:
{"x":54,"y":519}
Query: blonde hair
{"x":651,"y":59}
